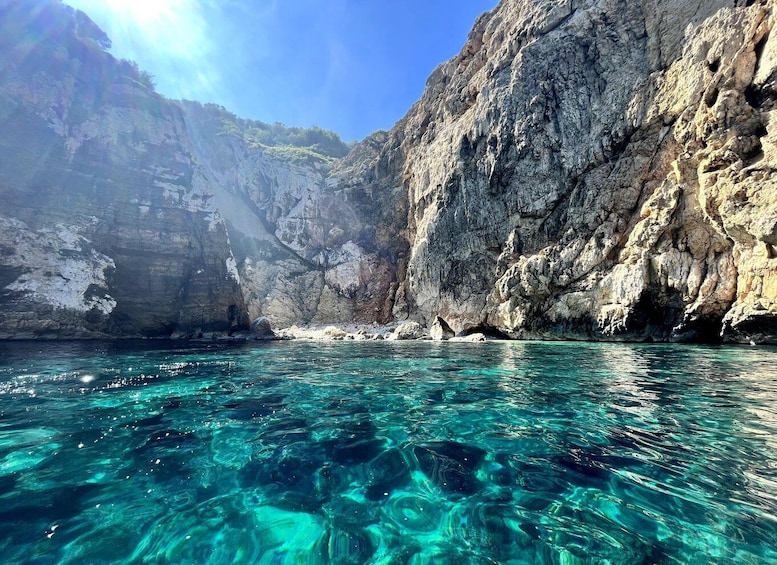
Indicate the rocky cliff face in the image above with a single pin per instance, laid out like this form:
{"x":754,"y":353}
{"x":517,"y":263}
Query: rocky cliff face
{"x":126,"y":214}
{"x":305,"y":234}
{"x":583,"y":169}
{"x":598,"y":169}
{"x":103,"y":230}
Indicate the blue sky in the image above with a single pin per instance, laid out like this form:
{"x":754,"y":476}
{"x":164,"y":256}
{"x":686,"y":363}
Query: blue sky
{"x":352,"y":66}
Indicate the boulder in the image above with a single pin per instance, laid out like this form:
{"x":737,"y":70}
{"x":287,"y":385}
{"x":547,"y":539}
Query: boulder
{"x":333,"y":332}
{"x":476,"y":337}
{"x":261,"y":329}
{"x":440,"y":330}
{"x":408,"y":330}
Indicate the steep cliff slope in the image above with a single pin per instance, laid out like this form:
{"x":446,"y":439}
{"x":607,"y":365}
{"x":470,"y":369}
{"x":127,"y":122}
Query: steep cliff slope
{"x":305,"y":244}
{"x":127,"y":214}
{"x":600,"y":169}
{"x":102,"y":229}
{"x":595,"y":169}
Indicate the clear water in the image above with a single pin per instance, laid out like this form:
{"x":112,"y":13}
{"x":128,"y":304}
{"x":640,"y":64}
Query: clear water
{"x":387,"y":453}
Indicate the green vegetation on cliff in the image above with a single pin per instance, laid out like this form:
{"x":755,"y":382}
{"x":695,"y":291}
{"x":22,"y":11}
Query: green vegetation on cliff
{"x":295,"y":143}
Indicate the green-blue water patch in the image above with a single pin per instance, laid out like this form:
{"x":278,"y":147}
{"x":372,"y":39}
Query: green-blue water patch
{"x":303,"y":452}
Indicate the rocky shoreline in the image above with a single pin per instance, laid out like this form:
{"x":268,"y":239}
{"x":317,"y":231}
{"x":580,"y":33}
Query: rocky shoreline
{"x":404,"y":331}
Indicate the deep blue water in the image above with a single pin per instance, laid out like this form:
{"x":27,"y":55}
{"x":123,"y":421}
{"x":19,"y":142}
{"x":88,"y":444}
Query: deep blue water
{"x":387,"y":452}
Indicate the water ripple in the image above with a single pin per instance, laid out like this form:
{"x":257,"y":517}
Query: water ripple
{"x":387,"y":453}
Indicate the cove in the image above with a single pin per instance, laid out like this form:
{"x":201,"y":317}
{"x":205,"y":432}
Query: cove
{"x":387,"y":452}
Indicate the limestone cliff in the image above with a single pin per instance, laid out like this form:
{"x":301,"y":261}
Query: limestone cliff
{"x":126,"y":214}
{"x":103,"y":231}
{"x":596,"y":169}
{"x":308,"y":246}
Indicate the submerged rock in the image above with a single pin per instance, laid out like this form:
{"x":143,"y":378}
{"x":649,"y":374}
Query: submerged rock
{"x":253,"y":408}
{"x":350,"y":451}
{"x":451,"y":465}
{"x":387,"y":472}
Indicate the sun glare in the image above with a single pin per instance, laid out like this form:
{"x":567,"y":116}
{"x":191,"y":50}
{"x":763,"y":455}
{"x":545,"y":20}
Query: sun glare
{"x":145,"y":12}
{"x":169,"y":28}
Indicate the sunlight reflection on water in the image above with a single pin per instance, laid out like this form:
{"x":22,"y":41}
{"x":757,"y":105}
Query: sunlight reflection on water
{"x":385,"y":452}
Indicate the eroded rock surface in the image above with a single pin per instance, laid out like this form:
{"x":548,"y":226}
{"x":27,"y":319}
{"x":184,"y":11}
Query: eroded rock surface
{"x":440,"y":330}
{"x":103,"y":231}
{"x":408,"y":330}
{"x":596,"y":169}
{"x":126,"y":214}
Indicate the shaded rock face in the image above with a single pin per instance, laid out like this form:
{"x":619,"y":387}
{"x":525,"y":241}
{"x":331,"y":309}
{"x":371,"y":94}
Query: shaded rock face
{"x":304,"y":242}
{"x":103,"y":232}
{"x":440,"y":330}
{"x":594,"y":169}
{"x":598,"y":169}
{"x":261,"y":329}
{"x":126,"y":214}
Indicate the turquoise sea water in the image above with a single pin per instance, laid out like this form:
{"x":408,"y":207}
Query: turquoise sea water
{"x":303,"y":452}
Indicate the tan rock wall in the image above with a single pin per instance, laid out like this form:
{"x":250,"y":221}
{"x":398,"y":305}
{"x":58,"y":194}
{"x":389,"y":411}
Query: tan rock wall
{"x":597,"y":169}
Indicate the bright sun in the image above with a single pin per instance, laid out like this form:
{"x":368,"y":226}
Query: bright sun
{"x":165,"y":27}
{"x":145,"y":12}
{"x":171,"y":39}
